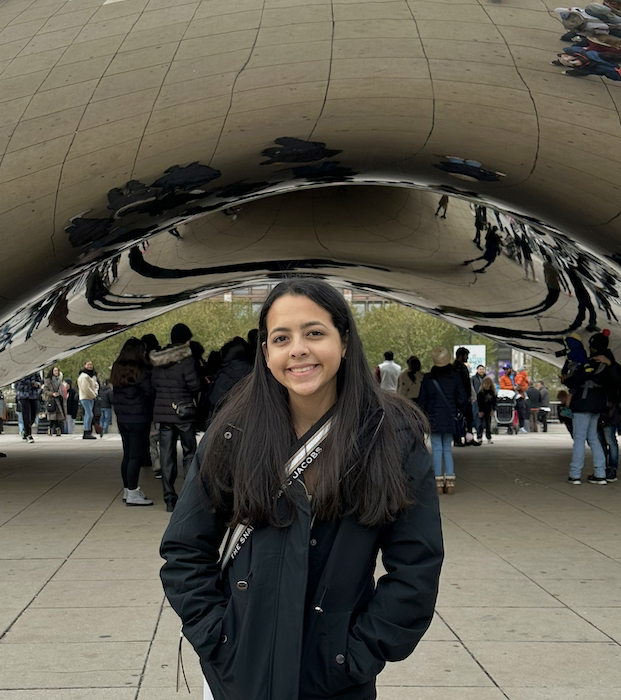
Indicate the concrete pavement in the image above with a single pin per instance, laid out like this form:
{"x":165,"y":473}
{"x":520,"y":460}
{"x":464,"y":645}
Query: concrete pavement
{"x":529,"y":606}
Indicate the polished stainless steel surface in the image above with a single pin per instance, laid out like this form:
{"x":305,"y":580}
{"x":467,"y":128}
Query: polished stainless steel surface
{"x":156,"y":151}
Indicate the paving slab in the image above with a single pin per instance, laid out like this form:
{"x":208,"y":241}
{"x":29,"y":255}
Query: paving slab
{"x":519,"y":625}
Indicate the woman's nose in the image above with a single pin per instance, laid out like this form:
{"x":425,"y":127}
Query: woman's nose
{"x":299,"y":347}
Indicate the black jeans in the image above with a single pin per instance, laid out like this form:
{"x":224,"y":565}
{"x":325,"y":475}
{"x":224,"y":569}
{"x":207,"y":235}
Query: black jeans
{"x":168,"y":455}
{"x":30,"y":408}
{"x":486,"y":422}
{"x":135,"y":437}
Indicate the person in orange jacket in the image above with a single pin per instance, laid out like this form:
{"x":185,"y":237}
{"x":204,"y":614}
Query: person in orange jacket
{"x":521,"y":384}
{"x":505,"y":381}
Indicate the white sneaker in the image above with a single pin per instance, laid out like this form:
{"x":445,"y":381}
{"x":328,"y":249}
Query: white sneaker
{"x":135,"y":497}
{"x":522,"y":430}
{"x":490,"y":442}
{"x":125,"y":494}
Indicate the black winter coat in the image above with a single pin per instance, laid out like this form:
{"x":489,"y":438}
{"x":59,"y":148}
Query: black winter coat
{"x":175,"y":380}
{"x":591,"y":385}
{"x":104,"y":397}
{"x":226,"y":378}
{"x":442,"y":416}
{"x":73,"y":403}
{"x":266,"y":641}
{"x":486,"y":401}
{"x":134,"y":404}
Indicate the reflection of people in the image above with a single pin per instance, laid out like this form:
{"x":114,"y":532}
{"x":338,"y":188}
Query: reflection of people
{"x":302,"y":582}
{"x":480,"y":221}
{"x":442,"y":204}
{"x":492,"y":249}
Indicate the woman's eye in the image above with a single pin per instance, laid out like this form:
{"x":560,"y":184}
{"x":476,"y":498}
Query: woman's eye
{"x":315,"y":333}
{"x":279,"y":338}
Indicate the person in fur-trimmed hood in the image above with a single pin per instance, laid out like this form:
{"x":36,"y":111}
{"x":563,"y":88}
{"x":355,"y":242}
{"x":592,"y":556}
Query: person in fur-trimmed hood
{"x":177,"y":384}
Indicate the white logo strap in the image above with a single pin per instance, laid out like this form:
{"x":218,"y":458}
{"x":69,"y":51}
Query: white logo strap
{"x":294,"y":468}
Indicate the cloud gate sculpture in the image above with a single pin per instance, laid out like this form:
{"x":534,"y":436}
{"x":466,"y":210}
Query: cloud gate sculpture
{"x":154,"y":152}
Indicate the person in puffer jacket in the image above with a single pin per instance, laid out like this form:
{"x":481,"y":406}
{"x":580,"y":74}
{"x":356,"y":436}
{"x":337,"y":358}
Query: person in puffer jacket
{"x":590,"y":386}
{"x":235,"y":366}
{"x":176,"y":383}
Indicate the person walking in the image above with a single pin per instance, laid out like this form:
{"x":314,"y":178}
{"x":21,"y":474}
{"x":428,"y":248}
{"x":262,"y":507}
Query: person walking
{"x":460,"y":366}
{"x":544,"y":405}
{"x":73,"y":404}
{"x":152,"y":344}
{"x":55,"y":406}
{"x":477,"y":380}
{"x":486,"y":404}
{"x":28,"y":395}
{"x":590,"y":385}
{"x":442,"y":396}
{"x":3,"y":412}
{"x":104,"y":402}
{"x":133,"y":397}
{"x":388,"y":372}
{"x":410,"y":380}
{"x":88,"y":388}
{"x":291,"y":609}
{"x":534,"y":404}
{"x":235,"y":366}
{"x":177,"y":386}
{"x":442,"y":204}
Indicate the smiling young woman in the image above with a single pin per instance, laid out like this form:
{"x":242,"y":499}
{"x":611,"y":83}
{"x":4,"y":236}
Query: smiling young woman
{"x":314,"y":470}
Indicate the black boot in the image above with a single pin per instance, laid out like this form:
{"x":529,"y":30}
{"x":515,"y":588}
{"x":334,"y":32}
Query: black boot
{"x":88,"y":435}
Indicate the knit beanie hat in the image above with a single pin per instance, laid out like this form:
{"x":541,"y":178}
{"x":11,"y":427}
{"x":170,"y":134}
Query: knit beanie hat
{"x":599,"y":341}
{"x":180,"y":334}
{"x":441,"y":357}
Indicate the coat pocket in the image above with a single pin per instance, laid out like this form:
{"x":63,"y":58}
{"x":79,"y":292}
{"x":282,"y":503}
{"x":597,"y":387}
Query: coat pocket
{"x":223,"y":658}
{"x":324,"y":668}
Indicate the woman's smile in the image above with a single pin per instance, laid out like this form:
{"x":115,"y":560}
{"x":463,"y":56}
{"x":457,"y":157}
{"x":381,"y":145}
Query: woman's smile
{"x":304,"y":370}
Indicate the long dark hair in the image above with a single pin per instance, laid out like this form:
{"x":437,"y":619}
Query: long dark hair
{"x":131,"y":364}
{"x":362,"y":473}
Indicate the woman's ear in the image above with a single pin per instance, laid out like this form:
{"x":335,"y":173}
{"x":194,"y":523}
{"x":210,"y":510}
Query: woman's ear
{"x":344,"y":345}
{"x":265,"y":354}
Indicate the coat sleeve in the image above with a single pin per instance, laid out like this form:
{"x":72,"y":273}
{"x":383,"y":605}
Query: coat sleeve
{"x":190,"y":375}
{"x":400,"y":612}
{"x":423,"y":396}
{"x":191,"y":574}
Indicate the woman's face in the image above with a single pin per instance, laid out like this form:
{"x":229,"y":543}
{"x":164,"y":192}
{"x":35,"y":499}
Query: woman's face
{"x":55,"y":371}
{"x":88,"y":365}
{"x":303,"y":349}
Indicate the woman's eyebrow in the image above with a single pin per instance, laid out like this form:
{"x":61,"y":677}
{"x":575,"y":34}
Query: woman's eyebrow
{"x":282,"y":329}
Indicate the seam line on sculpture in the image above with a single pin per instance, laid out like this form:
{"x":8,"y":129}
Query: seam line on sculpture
{"x":535,"y":111}
{"x":159,"y":92}
{"x":328,"y":77}
{"x":433,"y":91}
{"x":232,"y":93}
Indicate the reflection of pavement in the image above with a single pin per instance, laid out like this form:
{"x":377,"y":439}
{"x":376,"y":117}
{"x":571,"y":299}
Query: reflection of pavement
{"x":84,"y":607}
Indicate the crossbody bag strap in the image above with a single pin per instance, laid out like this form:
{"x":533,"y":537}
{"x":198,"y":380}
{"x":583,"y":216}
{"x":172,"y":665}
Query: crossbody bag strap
{"x":442,"y":394}
{"x":294,"y":468}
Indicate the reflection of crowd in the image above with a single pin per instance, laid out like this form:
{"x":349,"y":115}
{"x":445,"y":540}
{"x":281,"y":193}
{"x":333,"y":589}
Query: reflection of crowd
{"x":565,"y":268}
{"x":595,"y":33}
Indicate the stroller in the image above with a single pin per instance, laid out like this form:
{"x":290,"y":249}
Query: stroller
{"x":506,"y":411}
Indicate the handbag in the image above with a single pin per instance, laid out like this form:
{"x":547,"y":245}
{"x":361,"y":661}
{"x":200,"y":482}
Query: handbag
{"x":186,"y":410}
{"x":51,"y":406}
